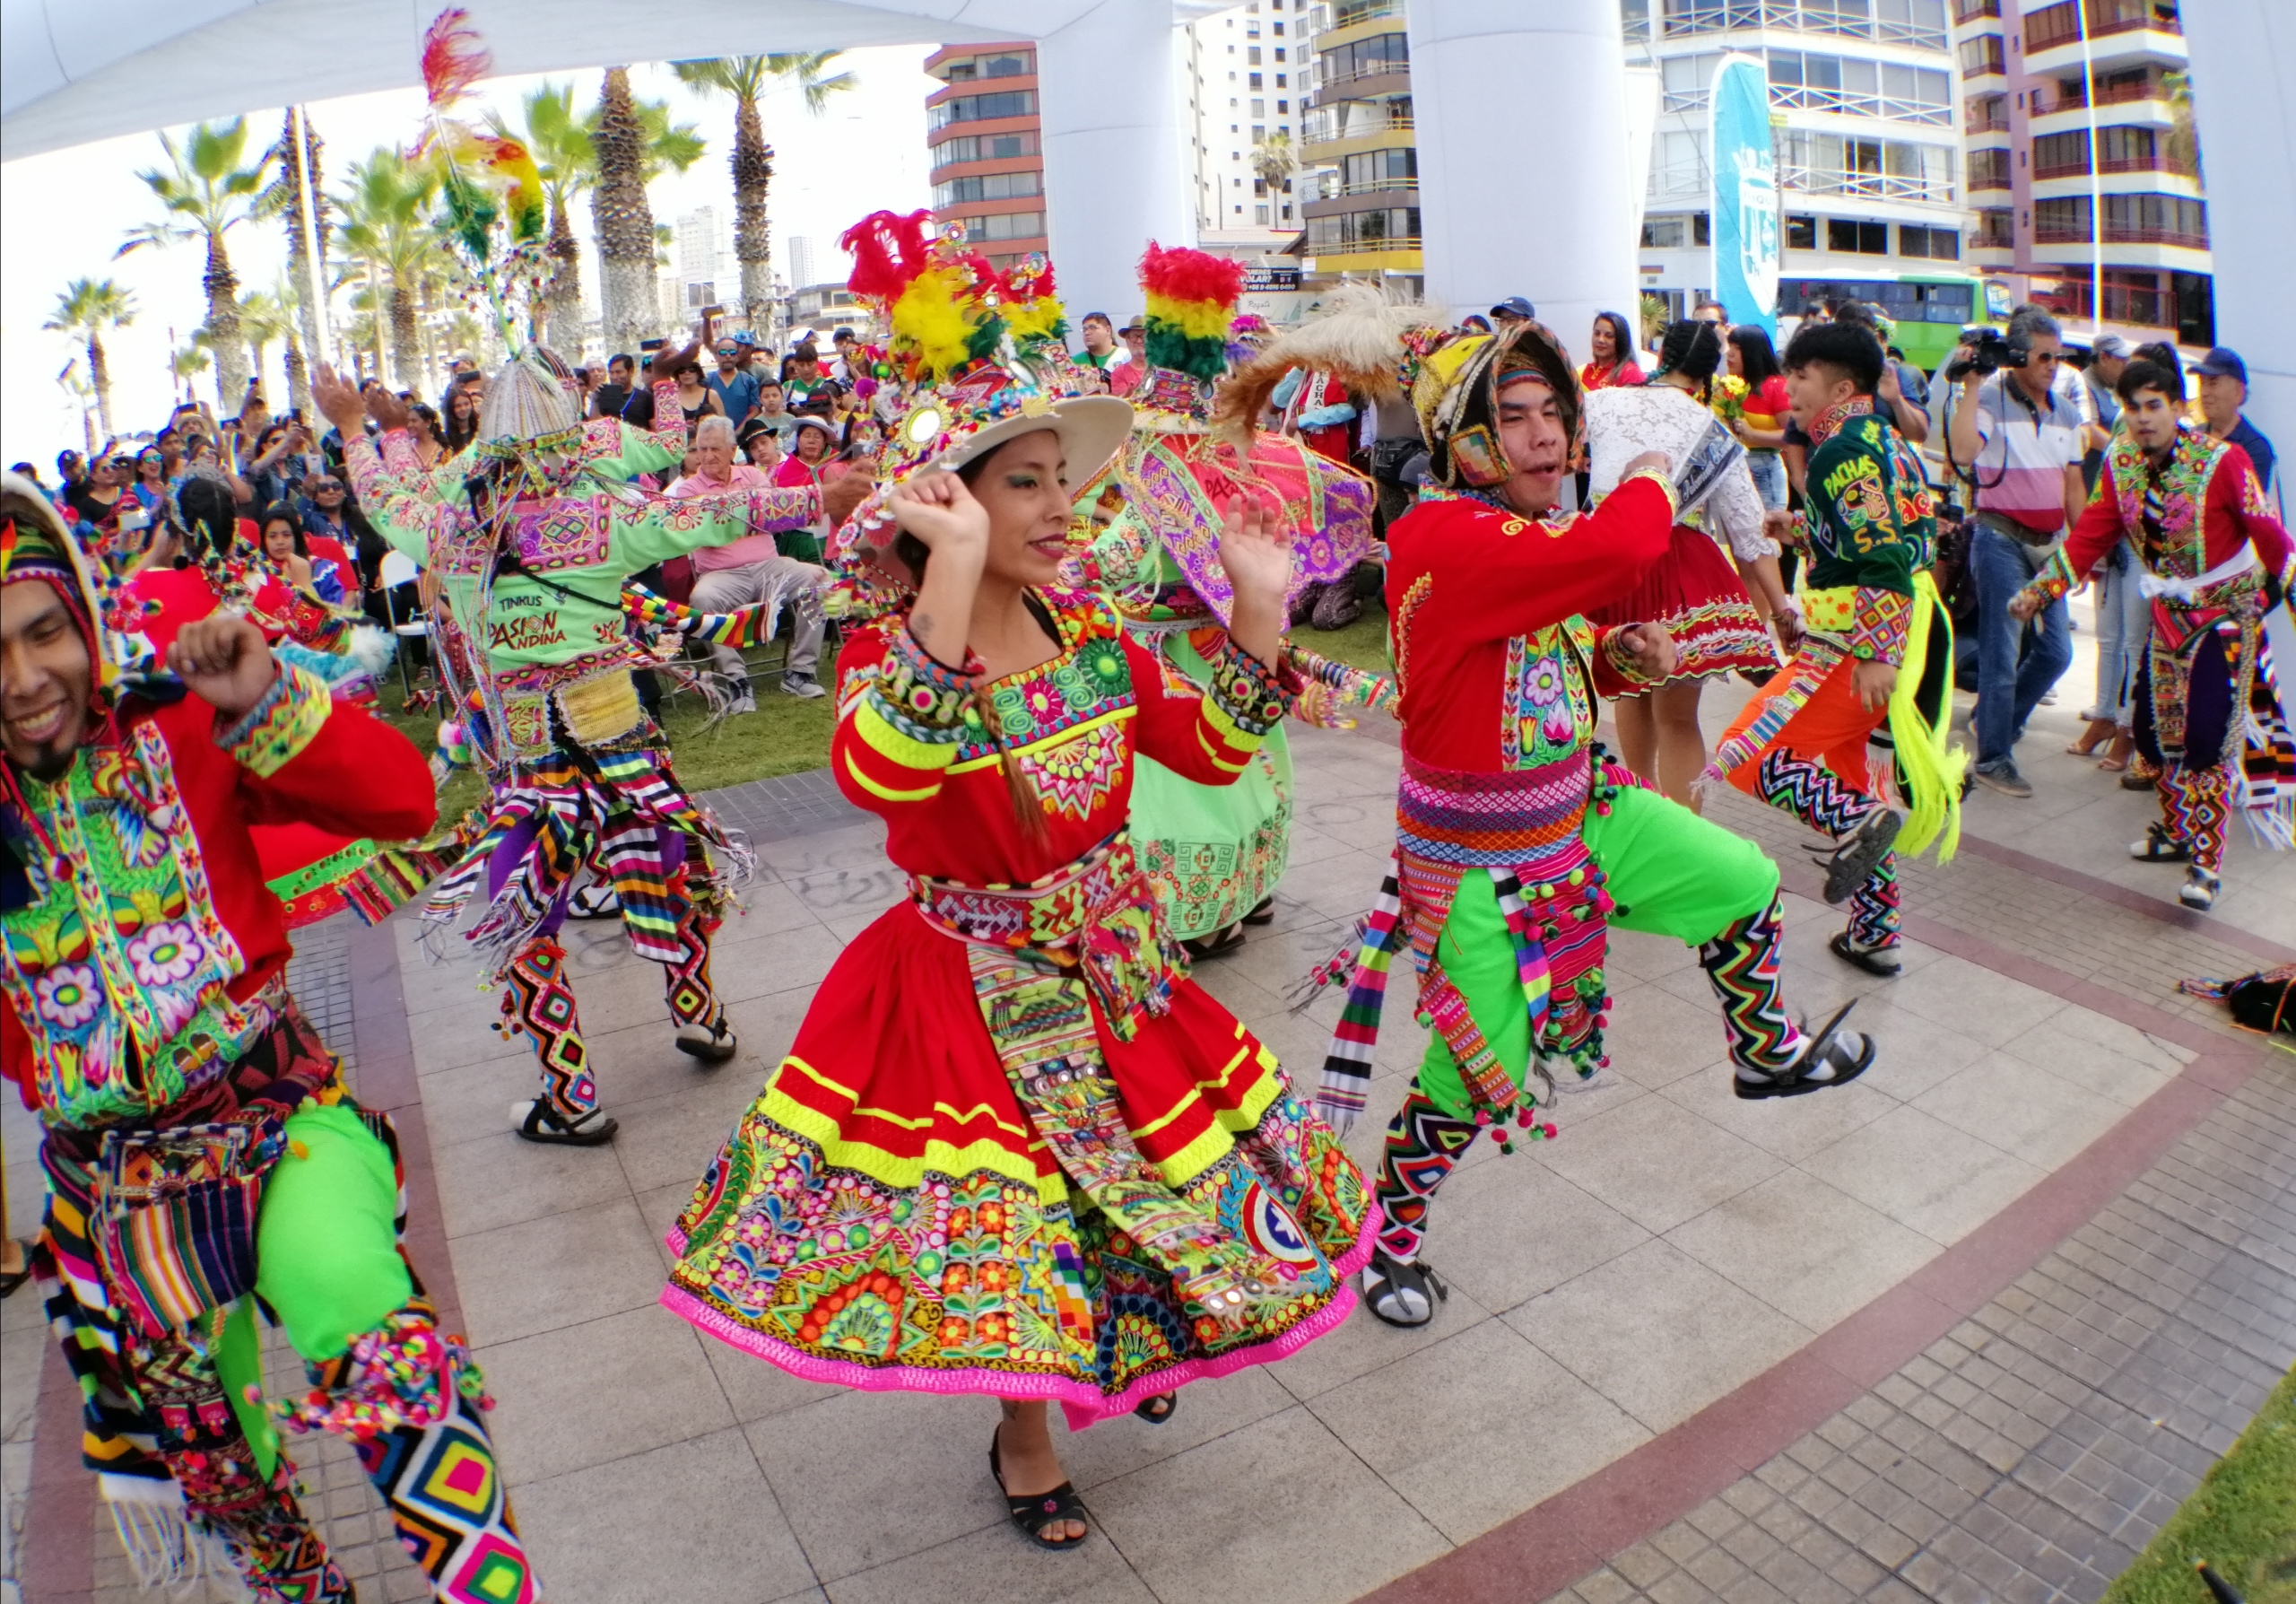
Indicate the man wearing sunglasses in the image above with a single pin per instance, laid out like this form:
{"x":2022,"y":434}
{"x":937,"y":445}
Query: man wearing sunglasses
{"x":734,"y":385}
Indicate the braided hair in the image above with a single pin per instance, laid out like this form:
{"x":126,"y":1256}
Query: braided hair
{"x":1689,"y":347}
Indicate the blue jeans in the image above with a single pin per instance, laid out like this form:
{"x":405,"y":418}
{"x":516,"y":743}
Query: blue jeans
{"x":2124,"y":630}
{"x":1768,"y":471}
{"x":2016,"y":664}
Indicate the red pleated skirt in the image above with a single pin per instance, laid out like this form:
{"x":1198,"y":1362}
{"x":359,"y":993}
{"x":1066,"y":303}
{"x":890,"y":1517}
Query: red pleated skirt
{"x":1695,"y":592}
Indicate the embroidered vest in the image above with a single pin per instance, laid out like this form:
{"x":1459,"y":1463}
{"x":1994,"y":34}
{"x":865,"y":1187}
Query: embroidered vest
{"x":2179,"y":549}
{"x":119,"y":967}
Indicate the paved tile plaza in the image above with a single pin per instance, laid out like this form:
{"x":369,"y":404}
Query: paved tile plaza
{"x":1967,"y":1330}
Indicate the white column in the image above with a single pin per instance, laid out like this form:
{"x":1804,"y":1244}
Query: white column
{"x":1524,"y":187}
{"x":1114,"y":173}
{"x":2243,"y":60}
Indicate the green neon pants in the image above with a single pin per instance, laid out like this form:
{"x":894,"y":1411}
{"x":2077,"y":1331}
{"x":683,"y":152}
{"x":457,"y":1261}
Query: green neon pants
{"x":1671,"y":873}
{"x":326,"y":1254}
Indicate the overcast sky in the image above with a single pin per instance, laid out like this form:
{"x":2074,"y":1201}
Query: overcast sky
{"x":64,"y":213}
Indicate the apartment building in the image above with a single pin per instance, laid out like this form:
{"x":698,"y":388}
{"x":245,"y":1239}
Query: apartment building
{"x":1359,"y":182}
{"x":2076,"y":112}
{"x":1864,"y":112}
{"x":986,"y":164}
{"x":1244,"y":77}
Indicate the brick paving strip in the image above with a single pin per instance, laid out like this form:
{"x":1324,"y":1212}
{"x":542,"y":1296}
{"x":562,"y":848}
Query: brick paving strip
{"x":1986,"y":1397}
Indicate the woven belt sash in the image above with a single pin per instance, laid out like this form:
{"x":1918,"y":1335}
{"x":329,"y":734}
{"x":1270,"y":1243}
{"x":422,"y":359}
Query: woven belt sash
{"x":1039,"y":956}
{"x":1525,"y":828}
{"x":1098,"y":914}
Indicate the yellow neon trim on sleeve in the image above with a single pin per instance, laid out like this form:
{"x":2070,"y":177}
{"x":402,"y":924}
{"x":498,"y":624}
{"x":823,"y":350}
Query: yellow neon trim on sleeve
{"x":894,"y":745}
{"x":886,"y":792}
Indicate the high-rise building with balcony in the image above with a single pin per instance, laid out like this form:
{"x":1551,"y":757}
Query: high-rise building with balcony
{"x":1359,"y":163}
{"x":1245,"y":81}
{"x":988,"y":167}
{"x":1867,"y":142}
{"x":2074,"y":111}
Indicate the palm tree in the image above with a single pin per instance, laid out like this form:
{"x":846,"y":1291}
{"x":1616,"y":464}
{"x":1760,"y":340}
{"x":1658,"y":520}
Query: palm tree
{"x":387,"y":227}
{"x":560,"y":147}
{"x":1274,"y":161}
{"x":84,"y":395}
{"x":265,"y":316}
{"x":88,"y":307}
{"x":283,"y":200}
{"x":634,"y":142}
{"x":744,"y":79}
{"x":188,"y":363}
{"x":208,"y":194}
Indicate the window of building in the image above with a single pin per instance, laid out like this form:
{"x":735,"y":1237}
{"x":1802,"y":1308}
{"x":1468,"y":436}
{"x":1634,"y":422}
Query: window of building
{"x":1390,"y":228}
{"x":1366,"y":57}
{"x":1283,"y":108}
{"x":983,"y":147}
{"x":2134,"y":150}
{"x":2156,"y":220}
{"x":995,"y":186}
{"x":1279,"y":55}
{"x":1255,"y":81}
{"x":1938,"y":244}
{"x":1005,"y":225}
{"x":1993,"y":230}
{"x":1986,"y":114}
{"x":1982,"y":55}
{"x":1817,"y":163}
{"x":1259,"y":108}
{"x":1017,"y":65}
{"x":1678,"y":167}
{"x":2064,"y":221}
{"x":1801,"y":232}
{"x":1259,"y":216}
{"x":1849,"y":236}
{"x":1810,"y":81}
{"x":1252,"y":55}
{"x":1259,"y":134}
{"x":1664,"y":233}
{"x":1379,"y":169}
{"x":1989,"y":168}
{"x":967,"y":109}
{"x":1287,"y":213}
{"x":1701,"y":229}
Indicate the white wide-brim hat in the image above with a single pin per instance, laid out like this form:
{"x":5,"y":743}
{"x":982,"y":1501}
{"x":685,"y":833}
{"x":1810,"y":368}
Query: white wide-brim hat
{"x":1092,"y":429}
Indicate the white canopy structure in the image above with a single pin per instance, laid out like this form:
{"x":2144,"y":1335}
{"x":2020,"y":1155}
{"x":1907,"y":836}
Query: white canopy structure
{"x":73,"y":71}
{"x":1525,"y":192}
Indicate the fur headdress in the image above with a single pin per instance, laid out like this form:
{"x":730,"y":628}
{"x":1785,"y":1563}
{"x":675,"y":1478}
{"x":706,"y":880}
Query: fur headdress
{"x":1383,"y":348}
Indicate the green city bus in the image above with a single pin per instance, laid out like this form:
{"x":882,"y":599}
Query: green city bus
{"x":1928,"y":314}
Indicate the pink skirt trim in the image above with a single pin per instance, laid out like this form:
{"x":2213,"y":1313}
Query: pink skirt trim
{"x":1083,"y":1405}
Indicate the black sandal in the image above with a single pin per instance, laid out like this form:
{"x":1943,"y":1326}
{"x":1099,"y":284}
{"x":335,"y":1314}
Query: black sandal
{"x":10,"y":1280}
{"x":594,"y":900}
{"x":1218,"y":944}
{"x":1831,"y":1045}
{"x":1877,"y":960}
{"x":1395,"y":1278}
{"x":2160,"y":847}
{"x":1265,"y":915}
{"x":1038,"y":1511}
{"x":711,"y":1043}
{"x":1159,"y":1409}
{"x":544,"y":1124}
{"x":1860,"y":852}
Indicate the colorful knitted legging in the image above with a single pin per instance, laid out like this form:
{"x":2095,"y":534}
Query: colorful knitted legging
{"x":1742,"y":964}
{"x":1815,"y":795}
{"x":1425,"y":1145}
{"x":538,"y":1003}
{"x":2192,"y":810}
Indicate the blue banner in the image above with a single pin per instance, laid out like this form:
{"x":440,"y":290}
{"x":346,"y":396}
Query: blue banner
{"x":1744,"y":206}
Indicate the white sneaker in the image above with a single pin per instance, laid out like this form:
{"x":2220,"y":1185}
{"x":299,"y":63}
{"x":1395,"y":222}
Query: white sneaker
{"x":2198,"y":892}
{"x":746,"y":703}
{"x":802,"y":685}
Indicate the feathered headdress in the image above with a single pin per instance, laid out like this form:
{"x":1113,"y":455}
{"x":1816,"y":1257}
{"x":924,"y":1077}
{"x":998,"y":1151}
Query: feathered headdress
{"x":1191,"y":296}
{"x":938,"y":298}
{"x":1032,"y":310}
{"x":486,"y":179}
{"x":1378,"y":347}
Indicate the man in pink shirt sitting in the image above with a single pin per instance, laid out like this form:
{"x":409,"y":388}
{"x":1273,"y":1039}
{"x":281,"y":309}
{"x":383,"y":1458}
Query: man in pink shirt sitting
{"x":751,"y":570}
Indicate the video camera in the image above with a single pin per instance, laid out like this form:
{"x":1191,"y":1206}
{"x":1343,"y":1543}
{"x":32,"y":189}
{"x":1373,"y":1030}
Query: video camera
{"x":1983,"y":350}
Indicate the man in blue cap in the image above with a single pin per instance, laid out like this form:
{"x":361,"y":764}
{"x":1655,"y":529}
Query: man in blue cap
{"x":2223,"y":391}
{"x":1513,"y":309}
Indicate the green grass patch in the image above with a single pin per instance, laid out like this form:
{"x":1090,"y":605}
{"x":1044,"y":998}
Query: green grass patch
{"x":2241,"y":1519}
{"x":1363,"y":644}
{"x":785,"y":735}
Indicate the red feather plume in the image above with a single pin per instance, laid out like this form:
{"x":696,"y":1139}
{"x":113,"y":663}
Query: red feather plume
{"x":889,"y":250}
{"x":1185,"y":274}
{"x":454,"y":57}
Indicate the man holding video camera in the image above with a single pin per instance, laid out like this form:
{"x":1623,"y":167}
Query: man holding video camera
{"x":2018,"y":441}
